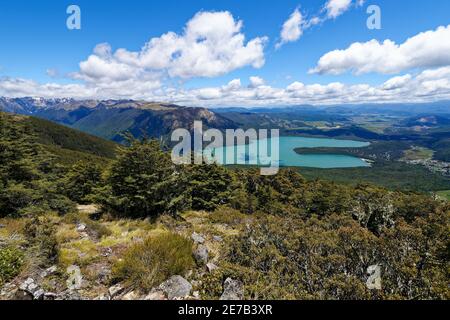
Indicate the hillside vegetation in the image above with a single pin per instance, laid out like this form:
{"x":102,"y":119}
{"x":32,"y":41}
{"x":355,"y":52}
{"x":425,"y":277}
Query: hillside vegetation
{"x":65,"y":144}
{"x":152,"y":230}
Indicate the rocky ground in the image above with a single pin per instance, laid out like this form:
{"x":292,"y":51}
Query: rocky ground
{"x":88,"y":251}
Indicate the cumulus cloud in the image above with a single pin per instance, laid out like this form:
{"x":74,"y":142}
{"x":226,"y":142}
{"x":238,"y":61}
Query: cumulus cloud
{"x":256,"y":82}
{"x":426,"y":86}
{"x":439,"y":73}
{"x":292,"y":28}
{"x":211,"y":44}
{"x":234,"y":84}
{"x":397,"y":82}
{"x":334,"y":8}
{"x":426,"y":50}
{"x":130,"y":89}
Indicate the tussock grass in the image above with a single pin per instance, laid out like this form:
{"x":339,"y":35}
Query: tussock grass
{"x":149,"y":263}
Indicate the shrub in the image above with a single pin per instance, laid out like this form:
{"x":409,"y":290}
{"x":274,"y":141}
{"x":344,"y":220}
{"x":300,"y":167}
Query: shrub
{"x":147,"y":264}
{"x":11,"y":261}
{"x":41,"y":233}
{"x":208,"y":186}
{"x":29,"y":199}
{"x":79,"y":182}
{"x":227,"y":216}
{"x":15,"y":198}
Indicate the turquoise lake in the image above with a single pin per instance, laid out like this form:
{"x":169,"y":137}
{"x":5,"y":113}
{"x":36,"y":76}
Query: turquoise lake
{"x":248,"y":154}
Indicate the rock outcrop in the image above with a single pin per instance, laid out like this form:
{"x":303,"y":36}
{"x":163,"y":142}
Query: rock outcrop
{"x":232,"y":290}
{"x":176,"y":288}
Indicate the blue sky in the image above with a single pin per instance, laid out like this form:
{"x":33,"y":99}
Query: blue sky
{"x":38,"y":48}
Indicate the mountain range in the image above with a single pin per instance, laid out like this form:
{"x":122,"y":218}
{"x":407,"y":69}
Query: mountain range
{"x":110,"y":119}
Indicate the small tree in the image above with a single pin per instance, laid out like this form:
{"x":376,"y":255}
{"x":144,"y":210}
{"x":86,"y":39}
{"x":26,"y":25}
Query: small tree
{"x":142,"y":182}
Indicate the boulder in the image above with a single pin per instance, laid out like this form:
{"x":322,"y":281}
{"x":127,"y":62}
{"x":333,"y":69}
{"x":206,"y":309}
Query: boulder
{"x":211,"y":267}
{"x":115,"y":290}
{"x":201,"y":254}
{"x":75,"y":279}
{"x":198,"y":238}
{"x":31,"y":288}
{"x":49,"y":271}
{"x":232,"y":290}
{"x":217,"y":238}
{"x":8,"y":291}
{"x":374,"y":277}
{"x":176,"y":287}
{"x":69,"y":295}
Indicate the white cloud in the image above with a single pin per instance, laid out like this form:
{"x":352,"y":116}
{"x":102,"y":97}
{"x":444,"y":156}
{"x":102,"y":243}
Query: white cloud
{"x":130,"y":89}
{"x":256,"y":82}
{"x":209,"y":93}
{"x":233,"y":85}
{"x":335,"y":8}
{"x":427,"y":86}
{"x":295,"y":86}
{"x":292,"y":28}
{"x":211,"y":45}
{"x":397,"y":82}
{"x":432,"y":74}
{"x":426,"y":50}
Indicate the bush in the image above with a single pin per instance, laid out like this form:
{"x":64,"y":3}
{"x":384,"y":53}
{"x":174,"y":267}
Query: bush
{"x":41,"y":234}
{"x":79,"y":183}
{"x":11,"y":261}
{"x":147,"y":264}
{"x":31,"y":199}
{"x":14,"y":198}
{"x":208,"y":186}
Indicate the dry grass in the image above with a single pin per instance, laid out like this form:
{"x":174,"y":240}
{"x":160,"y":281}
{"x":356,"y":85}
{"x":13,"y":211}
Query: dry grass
{"x":149,"y":263}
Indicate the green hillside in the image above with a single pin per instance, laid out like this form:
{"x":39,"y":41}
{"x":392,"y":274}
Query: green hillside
{"x":66,"y":144}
